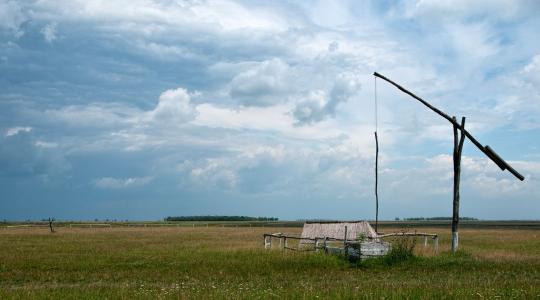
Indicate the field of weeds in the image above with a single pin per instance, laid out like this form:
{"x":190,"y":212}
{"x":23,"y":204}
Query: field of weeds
{"x":215,"y":262}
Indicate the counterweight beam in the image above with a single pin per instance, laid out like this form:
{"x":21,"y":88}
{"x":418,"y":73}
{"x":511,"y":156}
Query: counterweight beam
{"x":485,"y":149}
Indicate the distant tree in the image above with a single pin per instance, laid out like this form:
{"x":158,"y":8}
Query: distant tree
{"x":218,"y":218}
{"x":438,"y":219}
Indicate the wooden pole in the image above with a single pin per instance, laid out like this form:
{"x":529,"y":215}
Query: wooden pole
{"x":458,"y":147}
{"x":345,"y":250}
{"x":376,"y":183}
{"x":50,"y":224}
{"x":486,"y":150}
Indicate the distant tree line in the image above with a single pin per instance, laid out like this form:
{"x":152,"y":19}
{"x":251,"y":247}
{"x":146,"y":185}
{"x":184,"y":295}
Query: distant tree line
{"x":219,"y":218}
{"x":437,"y":219}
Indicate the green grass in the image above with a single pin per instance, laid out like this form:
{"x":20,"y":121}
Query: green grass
{"x":202,"y":263}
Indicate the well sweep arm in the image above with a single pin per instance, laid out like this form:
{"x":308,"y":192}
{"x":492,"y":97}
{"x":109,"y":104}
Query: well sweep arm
{"x":486,"y":150}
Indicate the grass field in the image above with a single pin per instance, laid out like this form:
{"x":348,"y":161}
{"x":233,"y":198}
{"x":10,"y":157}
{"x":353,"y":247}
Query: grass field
{"x":215,"y":262}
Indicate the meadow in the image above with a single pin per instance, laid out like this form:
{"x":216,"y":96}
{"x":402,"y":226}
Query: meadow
{"x":230,"y":262}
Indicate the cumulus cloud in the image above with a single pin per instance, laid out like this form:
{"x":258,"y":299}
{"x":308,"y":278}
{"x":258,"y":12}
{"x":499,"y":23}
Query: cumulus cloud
{"x":263,"y":70}
{"x":215,"y":171}
{"x":174,"y":106}
{"x":265,"y":84}
{"x":320,"y":105}
{"x":121,"y":183}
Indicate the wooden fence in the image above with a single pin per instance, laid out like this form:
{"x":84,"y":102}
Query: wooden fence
{"x":365,"y":248}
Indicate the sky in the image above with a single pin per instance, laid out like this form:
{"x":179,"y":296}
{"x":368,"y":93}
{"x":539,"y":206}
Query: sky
{"x":140,"y":109}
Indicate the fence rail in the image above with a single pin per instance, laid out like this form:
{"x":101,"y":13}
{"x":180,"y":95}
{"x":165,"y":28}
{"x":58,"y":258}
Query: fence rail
{"x":433,"y":236}
{"x":322,"y":243}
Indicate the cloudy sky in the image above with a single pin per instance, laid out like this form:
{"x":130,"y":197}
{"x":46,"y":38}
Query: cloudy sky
{"x":142,"y":109}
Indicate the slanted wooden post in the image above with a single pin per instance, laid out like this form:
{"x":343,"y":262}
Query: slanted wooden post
{"x":458,"y":146}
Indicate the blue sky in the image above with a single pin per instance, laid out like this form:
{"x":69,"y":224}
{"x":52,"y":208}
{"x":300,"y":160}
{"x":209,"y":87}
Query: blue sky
{"x":142,"y":109}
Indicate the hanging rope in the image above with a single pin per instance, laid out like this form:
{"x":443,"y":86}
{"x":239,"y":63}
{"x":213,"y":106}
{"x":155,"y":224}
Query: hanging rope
{"x":376,"y":159}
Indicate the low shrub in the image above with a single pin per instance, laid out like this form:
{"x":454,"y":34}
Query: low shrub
{"x":402,"y":250}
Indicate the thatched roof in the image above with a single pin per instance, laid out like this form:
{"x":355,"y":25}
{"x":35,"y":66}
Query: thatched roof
{"x":337,"y":230}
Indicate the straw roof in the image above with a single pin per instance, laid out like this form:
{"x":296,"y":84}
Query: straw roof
{"x":337,"y":230}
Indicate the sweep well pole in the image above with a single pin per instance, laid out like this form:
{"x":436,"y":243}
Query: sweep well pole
{"x":486,"y":150}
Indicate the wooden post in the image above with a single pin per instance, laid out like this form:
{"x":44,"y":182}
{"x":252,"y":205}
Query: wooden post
{"x":345,"y":250}
{"x":436,"y":244}
{"x":458,"y":146}
{"x":282,"y":243}
{"x":325,"y":245}
{"x":50,"y":225}
{"x":316,"y":244}
{"x":267,"y":242}
{"x":376,"y":183}
{"x":425,"y":241}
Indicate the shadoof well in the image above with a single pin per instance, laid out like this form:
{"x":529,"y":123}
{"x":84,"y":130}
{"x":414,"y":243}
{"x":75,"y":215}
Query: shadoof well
{"x":459,"y":137}
{"x":357,"y":238}
{"x":353,"y":239}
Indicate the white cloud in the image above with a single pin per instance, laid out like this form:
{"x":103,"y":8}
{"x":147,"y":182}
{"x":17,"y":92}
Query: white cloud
{"x":483,"y":176}
{"x":319,"y":106}
{"x":49,"y":32}
{"x":265,"y":84}
{"x":44,"y":144}
{"x":473,"y":41}
{"x":11,"y":17}
{"x":121,"y":183}
{"x":215,"y":171}
{"x":16,"y":130}
{"x":94,"y":115}
{"x":174,"y":107}
{"x":531,"y":72}
{"x":153,"y":16}
{"x":437,"y":10}
{"x":263,"y":69}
